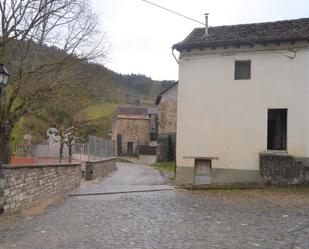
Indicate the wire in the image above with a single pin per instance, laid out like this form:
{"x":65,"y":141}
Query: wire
{"x":250,"y":42}
{"x":172,"y":11}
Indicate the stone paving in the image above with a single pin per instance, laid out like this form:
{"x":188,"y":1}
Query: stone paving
{"x":166,"y":219}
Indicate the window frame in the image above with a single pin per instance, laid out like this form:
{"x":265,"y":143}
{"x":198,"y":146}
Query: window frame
{"x":286,"y":110}
{"x":235,"y":69}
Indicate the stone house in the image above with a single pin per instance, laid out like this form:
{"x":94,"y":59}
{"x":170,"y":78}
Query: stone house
{"x":132,"y":128}
{"x":167,"y":107}
{"x":243,"y":90}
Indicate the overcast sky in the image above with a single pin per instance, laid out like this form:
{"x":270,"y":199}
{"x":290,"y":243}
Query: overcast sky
{"x":141,"y":35}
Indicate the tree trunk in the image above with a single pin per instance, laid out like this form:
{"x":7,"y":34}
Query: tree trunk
{"x":61,"y":151}
{"x":5,"y":145}
{"x":70,"y":152}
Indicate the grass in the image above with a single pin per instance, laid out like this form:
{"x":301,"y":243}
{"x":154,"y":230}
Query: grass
{"x":99,"y":111}
{"x":165,"y":166}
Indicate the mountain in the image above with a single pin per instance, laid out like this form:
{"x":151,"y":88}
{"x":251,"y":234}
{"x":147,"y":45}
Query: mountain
{"x":131,"y":88}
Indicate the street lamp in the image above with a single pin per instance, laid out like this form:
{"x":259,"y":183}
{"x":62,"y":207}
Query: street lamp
{"x":4,"y":77}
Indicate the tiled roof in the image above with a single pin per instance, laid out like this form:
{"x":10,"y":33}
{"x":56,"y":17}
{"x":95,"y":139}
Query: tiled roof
{"x":280,"y":31}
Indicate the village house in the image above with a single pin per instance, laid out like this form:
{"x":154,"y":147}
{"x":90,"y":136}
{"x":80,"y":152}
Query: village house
{"x":134,"y":128}
{"x":243,"y":90}
{"x":167,"y":107}
{"x":167,"y":123}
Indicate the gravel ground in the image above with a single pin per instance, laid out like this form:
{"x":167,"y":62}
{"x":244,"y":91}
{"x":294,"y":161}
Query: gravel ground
{"x":166,"y":219}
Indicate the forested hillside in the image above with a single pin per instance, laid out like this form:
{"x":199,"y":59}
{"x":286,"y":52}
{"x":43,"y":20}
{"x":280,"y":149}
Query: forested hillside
{"x":137,"y":86}
{"x":90,"y":102}
{"x":124,"y":88}
{"x":50,"y":49}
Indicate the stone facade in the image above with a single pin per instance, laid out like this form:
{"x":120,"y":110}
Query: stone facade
{"x":100,"y":168}
{"x":22,"y":184}
{"x":131,"y":128}
{"x":135,"y":131}
{"x":280,"y":169}
{"x":167,"y":106}
{"x":168,"y":110}
{"x":166,"y":148}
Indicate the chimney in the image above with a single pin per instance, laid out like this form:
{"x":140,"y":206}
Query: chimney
{"x":206,"y":24}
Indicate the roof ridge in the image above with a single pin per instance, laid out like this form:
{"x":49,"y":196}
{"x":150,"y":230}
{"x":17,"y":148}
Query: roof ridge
{"x":258,"y":23}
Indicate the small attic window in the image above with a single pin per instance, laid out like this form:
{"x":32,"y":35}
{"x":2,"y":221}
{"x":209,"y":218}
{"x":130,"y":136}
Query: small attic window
{"x":242,"y":70}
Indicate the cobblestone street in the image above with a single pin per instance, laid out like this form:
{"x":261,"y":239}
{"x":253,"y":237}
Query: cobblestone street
{"x":163,"y":219}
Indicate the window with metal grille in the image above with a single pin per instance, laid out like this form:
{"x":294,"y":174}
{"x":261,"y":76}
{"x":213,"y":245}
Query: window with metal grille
{"x":243,"y":70}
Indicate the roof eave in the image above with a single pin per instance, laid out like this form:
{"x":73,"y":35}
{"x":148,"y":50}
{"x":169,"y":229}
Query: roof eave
{"x":181,"y":46}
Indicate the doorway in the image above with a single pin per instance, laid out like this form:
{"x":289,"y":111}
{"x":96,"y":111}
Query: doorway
{"x":130,"y":148}
{"x":119,"y":144}
{"x":277,"y":129}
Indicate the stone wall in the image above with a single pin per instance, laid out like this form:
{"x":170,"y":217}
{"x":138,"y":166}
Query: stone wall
{"x":135,"y":131}
{"x":22,"y":184}
{"x":95,"y":169}
{"x":166,"y":147}
{"x":281,"y":169}
{"x":168,"y":112}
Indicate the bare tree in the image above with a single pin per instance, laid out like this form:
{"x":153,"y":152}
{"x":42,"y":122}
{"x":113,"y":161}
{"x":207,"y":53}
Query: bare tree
{"x":29,"y":28}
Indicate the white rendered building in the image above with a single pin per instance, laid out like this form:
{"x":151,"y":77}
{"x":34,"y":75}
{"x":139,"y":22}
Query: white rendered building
{"x":243,"y":90}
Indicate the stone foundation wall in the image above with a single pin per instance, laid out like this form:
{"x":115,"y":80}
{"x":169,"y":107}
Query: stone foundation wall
{"x":281,"y":169}
{"x":22,"y":184}
{"x":95,"y":169}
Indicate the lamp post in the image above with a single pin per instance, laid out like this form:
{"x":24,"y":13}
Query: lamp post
{"x":4,"y":77}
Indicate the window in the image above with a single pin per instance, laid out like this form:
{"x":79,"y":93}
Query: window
{"x":243,"y":70}
{"x":277,"y":129}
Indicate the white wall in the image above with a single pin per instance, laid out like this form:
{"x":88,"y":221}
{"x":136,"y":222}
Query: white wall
{"x":226,"y":118}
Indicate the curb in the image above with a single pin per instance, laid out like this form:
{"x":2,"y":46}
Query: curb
{"x":123,"y":192}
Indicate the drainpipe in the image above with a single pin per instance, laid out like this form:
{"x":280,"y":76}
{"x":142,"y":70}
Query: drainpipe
{"x":175,"y":56}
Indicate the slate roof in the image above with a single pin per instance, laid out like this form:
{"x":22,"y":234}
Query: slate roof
{"x":136,"y":111}
{"x":267,"y":32}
